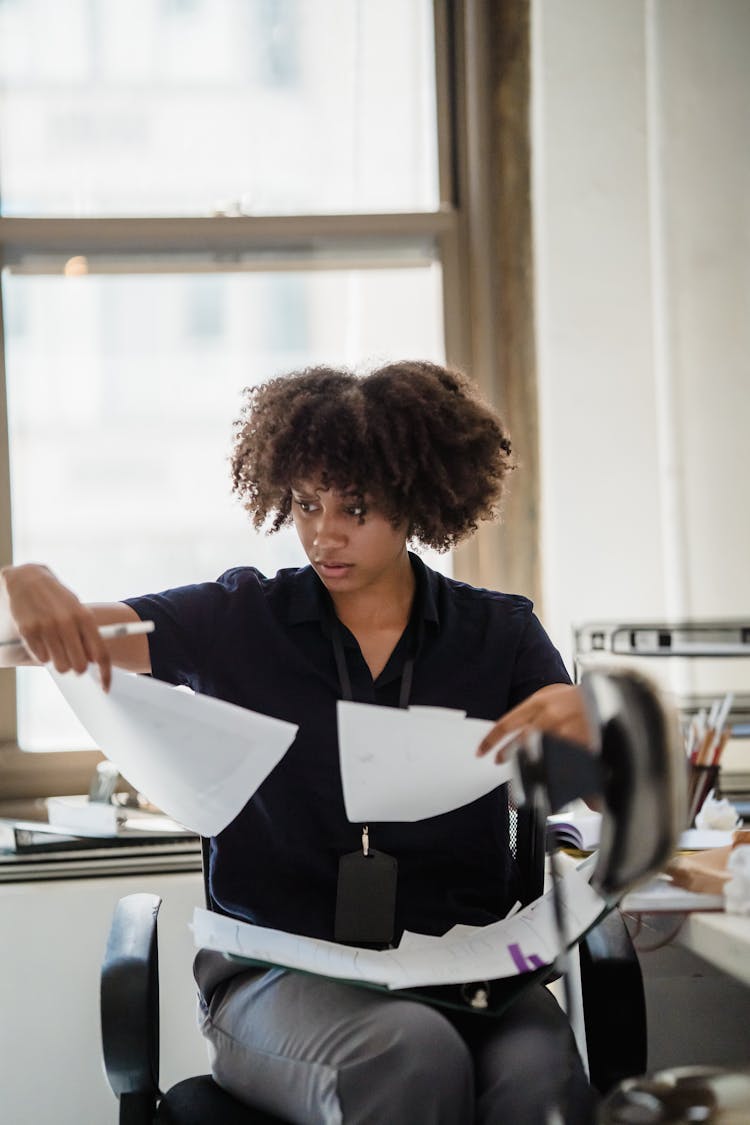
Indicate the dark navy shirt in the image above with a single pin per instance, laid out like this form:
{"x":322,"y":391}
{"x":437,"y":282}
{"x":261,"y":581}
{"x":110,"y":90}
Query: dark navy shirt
{"x":265,"y":643}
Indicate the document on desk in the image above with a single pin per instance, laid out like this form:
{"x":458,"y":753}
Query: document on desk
{"x":662,"y":896}
{"x":523,"y":942}
{"x":582,"y":829}
{"x":411,"y":763}
{"x":198,"y":759}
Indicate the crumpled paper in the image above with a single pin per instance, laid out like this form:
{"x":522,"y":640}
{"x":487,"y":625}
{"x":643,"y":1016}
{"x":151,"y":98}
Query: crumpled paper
{"x":717,"y":814}
{"x":737,"y":890}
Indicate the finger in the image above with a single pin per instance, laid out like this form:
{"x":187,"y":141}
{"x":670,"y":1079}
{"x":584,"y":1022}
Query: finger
{"x":75,"y":650}
{"x":570,"y":729}
{"x":105,"y":671}
{"x":491,"y":739}
{"x":509,"y":748}
{"x":517,"y":719}
{"x":57,"y":654}
{"x":68,"y":643}
{"x":35,"y":645}
{"x":98,"y":654}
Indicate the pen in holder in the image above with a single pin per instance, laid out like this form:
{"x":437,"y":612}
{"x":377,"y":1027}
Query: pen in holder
{"x":701,"y":780}
{"x":705,"y":739}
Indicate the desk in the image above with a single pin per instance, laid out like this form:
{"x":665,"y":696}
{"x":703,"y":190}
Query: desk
{"x":721,"y":939}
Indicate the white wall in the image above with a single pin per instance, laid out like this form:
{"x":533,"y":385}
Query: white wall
{"x":52,"y":940}
{"x":642,"y":233}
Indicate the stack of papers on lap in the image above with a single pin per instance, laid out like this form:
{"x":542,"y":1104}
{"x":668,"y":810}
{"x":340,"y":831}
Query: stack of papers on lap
{"x":409,"y":764}
{"x":198,"y":759}
{"x":518,"y":944}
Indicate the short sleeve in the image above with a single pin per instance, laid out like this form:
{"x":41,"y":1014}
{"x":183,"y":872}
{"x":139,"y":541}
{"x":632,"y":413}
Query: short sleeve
{"x":538,"y":663}
{"x":185,"y":629}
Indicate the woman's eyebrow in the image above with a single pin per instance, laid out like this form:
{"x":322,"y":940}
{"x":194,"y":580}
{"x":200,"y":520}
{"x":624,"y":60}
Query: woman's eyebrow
{"x":346,"y":494}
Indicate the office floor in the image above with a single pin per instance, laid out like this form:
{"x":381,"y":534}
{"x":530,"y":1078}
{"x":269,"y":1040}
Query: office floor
{"x":696,"y":1014}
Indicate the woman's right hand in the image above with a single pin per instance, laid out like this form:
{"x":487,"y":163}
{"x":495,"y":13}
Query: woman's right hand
{"x":54,"y":626}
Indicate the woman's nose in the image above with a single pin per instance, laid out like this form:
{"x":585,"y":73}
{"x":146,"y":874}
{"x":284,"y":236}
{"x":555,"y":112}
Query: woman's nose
{"x":328,"y":531}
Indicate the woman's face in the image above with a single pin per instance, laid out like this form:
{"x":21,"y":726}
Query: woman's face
{"x":349,"y":547}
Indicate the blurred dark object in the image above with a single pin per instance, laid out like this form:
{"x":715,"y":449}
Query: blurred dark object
{"x":681,"y":1094}
{"x":638,"y":776}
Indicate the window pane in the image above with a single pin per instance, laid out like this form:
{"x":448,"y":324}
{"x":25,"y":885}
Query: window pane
{"x":122,"y":391}
{"x":193,"y":107}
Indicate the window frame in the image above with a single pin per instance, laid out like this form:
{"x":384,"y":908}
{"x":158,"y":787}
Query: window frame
{"x":470,"y":39}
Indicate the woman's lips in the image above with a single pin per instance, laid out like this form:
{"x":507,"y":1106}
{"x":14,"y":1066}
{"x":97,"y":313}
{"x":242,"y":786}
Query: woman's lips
{"x":333,"y":570}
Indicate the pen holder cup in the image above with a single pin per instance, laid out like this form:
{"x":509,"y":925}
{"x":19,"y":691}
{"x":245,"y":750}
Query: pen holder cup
{"x":701,"y":780}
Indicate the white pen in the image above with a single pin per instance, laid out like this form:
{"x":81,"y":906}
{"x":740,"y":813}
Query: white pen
{"x":723,"y":712}
{"x":125,"y":629}
{"x":109,"y":632}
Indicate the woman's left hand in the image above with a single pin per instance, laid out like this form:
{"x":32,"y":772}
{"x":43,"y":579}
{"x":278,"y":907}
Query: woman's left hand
{"x":557,"y":709}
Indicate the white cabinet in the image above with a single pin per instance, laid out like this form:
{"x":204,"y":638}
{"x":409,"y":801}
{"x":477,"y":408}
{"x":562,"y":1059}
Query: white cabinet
{"x":52,"y":938}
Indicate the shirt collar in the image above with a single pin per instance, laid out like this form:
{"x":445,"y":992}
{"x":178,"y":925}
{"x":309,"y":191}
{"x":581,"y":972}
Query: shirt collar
{"x":307,"y":599}
{"x":309,"y":596}
{"x":426,"y":590}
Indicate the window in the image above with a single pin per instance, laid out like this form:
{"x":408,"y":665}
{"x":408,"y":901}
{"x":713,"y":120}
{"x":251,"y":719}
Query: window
{"x":217,"y":107}
{"x":195,"y":196}
{"x":120,"y":419}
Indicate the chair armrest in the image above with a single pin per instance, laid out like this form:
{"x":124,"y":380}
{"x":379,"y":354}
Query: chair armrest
{"x":130,"y":998}
{"x":614,"y":1003}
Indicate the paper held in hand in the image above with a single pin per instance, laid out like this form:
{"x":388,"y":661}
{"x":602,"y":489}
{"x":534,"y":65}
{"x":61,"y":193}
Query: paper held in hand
{"x":525,"y":941}
{"x":198,"y":759}
{"x":408,"y":764}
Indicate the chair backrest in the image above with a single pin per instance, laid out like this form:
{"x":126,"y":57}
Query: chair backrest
{"x":129,"y":1006}
{"x":527,"y":845}
{"x":205,"y":856}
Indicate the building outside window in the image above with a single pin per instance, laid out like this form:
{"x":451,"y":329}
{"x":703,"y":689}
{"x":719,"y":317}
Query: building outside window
{"x":194,"y":197}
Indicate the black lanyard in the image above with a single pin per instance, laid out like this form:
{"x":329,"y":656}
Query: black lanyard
{"x":342,"y":667}
{"x":366,"y":884}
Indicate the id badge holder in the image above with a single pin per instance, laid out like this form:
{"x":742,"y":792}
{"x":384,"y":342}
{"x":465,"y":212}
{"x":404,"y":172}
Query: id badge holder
{"x":366,"y":897}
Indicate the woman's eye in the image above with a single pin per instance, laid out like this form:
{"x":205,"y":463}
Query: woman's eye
{"x":357,"y":510}
{"x":304,"y":505}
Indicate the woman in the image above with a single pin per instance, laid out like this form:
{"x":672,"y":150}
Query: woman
{"x":362,"y":466}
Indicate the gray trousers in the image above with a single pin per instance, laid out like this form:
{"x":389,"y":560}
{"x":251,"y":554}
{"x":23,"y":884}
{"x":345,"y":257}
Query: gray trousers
{"x":316,"y":1052}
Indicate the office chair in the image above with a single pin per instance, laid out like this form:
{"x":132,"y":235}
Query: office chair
{"x":610,"y":976}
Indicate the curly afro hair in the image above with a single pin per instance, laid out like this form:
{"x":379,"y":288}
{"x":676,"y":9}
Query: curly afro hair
{"x":413,"y":437}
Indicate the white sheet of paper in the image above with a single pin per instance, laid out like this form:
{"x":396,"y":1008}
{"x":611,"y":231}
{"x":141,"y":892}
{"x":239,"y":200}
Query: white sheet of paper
{"x":198,"y":759}
{"x":410,"y":940}
{"x":408,"y":764}
{"x":525,"y":941}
